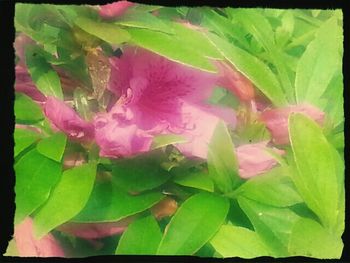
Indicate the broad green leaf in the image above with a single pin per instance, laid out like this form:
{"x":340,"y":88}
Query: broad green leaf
{"x":44,"y":76}
{"x":142,"y":237}
{"x":194,"y":223}
{"x":26,"y":110}
{"x":166,"y":139}
{"x":233,"y":241}
{"x":106,"y":31}
{"x":319,"y":62}
{"x":170,"y":47}
{"x":222,"y":163}
{"x":35,"y":176}
{"x":143,"y":20}
{"x":67,"y":199}
{"x":23,"y":139}
{"x":199,"y":180}
{"x":138,"y":174}
{"x":310,"y":239}
{"x":273,"y":225}
{"x":274,"y":188}
{"x":316,"y":177}
{"x":109,"y":203}
{"x":53,"y":146}
{"x":253,"y":68}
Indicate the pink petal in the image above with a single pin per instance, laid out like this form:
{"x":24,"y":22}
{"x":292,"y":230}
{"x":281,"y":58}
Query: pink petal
{"x":67,"y":120}
{"x":115,"y":9}
{"x":253,"y":159}
{"x":276,"y":120}
{"x":28,"y":246}
{"x":234,"y":81}
{"x":24,"y":84}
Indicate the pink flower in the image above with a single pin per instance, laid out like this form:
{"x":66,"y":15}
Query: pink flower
{"x":276,"y":120}
{"x":115,"y":9}
{"x":28,"y":246}
{"x":234,"y":81}
{"x":253,"y":159}
{"x":67,"y":120}
{"x":24,"y":84}
{"x":157,"y":96}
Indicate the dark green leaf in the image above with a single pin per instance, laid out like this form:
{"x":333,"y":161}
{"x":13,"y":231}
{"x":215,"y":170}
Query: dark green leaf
{"x":194,"y":223}
{"x":233,"y":241}
{"x":67,"y":199}
{"x":45,"y":78}
{"x":109,"y":203}
{"x":142,"y":237}
{"x":26,"y":109}
{"x":35,"y":175}
{"x":222,"y":163}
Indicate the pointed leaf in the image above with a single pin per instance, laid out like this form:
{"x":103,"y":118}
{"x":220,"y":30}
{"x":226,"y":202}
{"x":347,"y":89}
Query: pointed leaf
{"x":53,"y":146}
{"x":26,"y":109}
{"x":23,"y":139}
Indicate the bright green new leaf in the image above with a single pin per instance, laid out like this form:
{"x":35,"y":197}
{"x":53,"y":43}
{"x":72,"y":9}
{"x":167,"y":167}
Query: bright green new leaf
{"x":170,"y":47}
{"x":316,"y":176}
{"x":35,"y":176}
{"x":44,"y":76}
{"x":273,"y":225}
{"x":274,"y":188}
{"x":319,"y":62}
{"x":67,"y":199}
{"x":106,"y":31}
{"x":142,"y":237}
{"x":222,"y":163}
{"x":26,"y":110}
{"x":310,"y":239}
{"x":253,"y":68}
{"x":109,"y":203}
{"x":166,"y":139}
{"x":23,"y":139}
{"x":194,"y":223}
{"x":199,"y":180}
{"x":53,"y":146}
{"x":233,"y":241}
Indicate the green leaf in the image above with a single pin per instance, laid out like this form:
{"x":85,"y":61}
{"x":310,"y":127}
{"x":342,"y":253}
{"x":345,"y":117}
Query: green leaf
{"x":222,"y":163}
{"x":53,"y":146}
{"x":35,"y":176}
{"x":199,"y":180}
{"x":106,"y":31}
{"x":109,"y":203}
{"x":23,"y":139}
{"x":319,"y":62}
{"x":310,"y":239}
{"x":45,"y":78}
{"x":166,"y":139}
{"x":67,"y":199}
{"x":194,"y":223}
{"x":273,"y":225}
{"x":170,"y":47}
{"x":233,"y":241}
{"x":142,"y":237}
{"x":274,"y":188}
{"x":316,"y":177}
{"x":253,"y":68}
{"x":82,"y":105}
{"x":26,"y":110}
{"x":143,"y":20}
{"x":138,"y":174}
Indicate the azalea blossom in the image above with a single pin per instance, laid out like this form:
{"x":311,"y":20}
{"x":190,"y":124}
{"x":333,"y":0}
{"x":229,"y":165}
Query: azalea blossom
{"x":67,"y":120}
{"x":157,"y":96}
{"x":276,"y":120}
{"x":115,"y":9}
{"x":28,"y":246}
{"x":253,"y":159}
